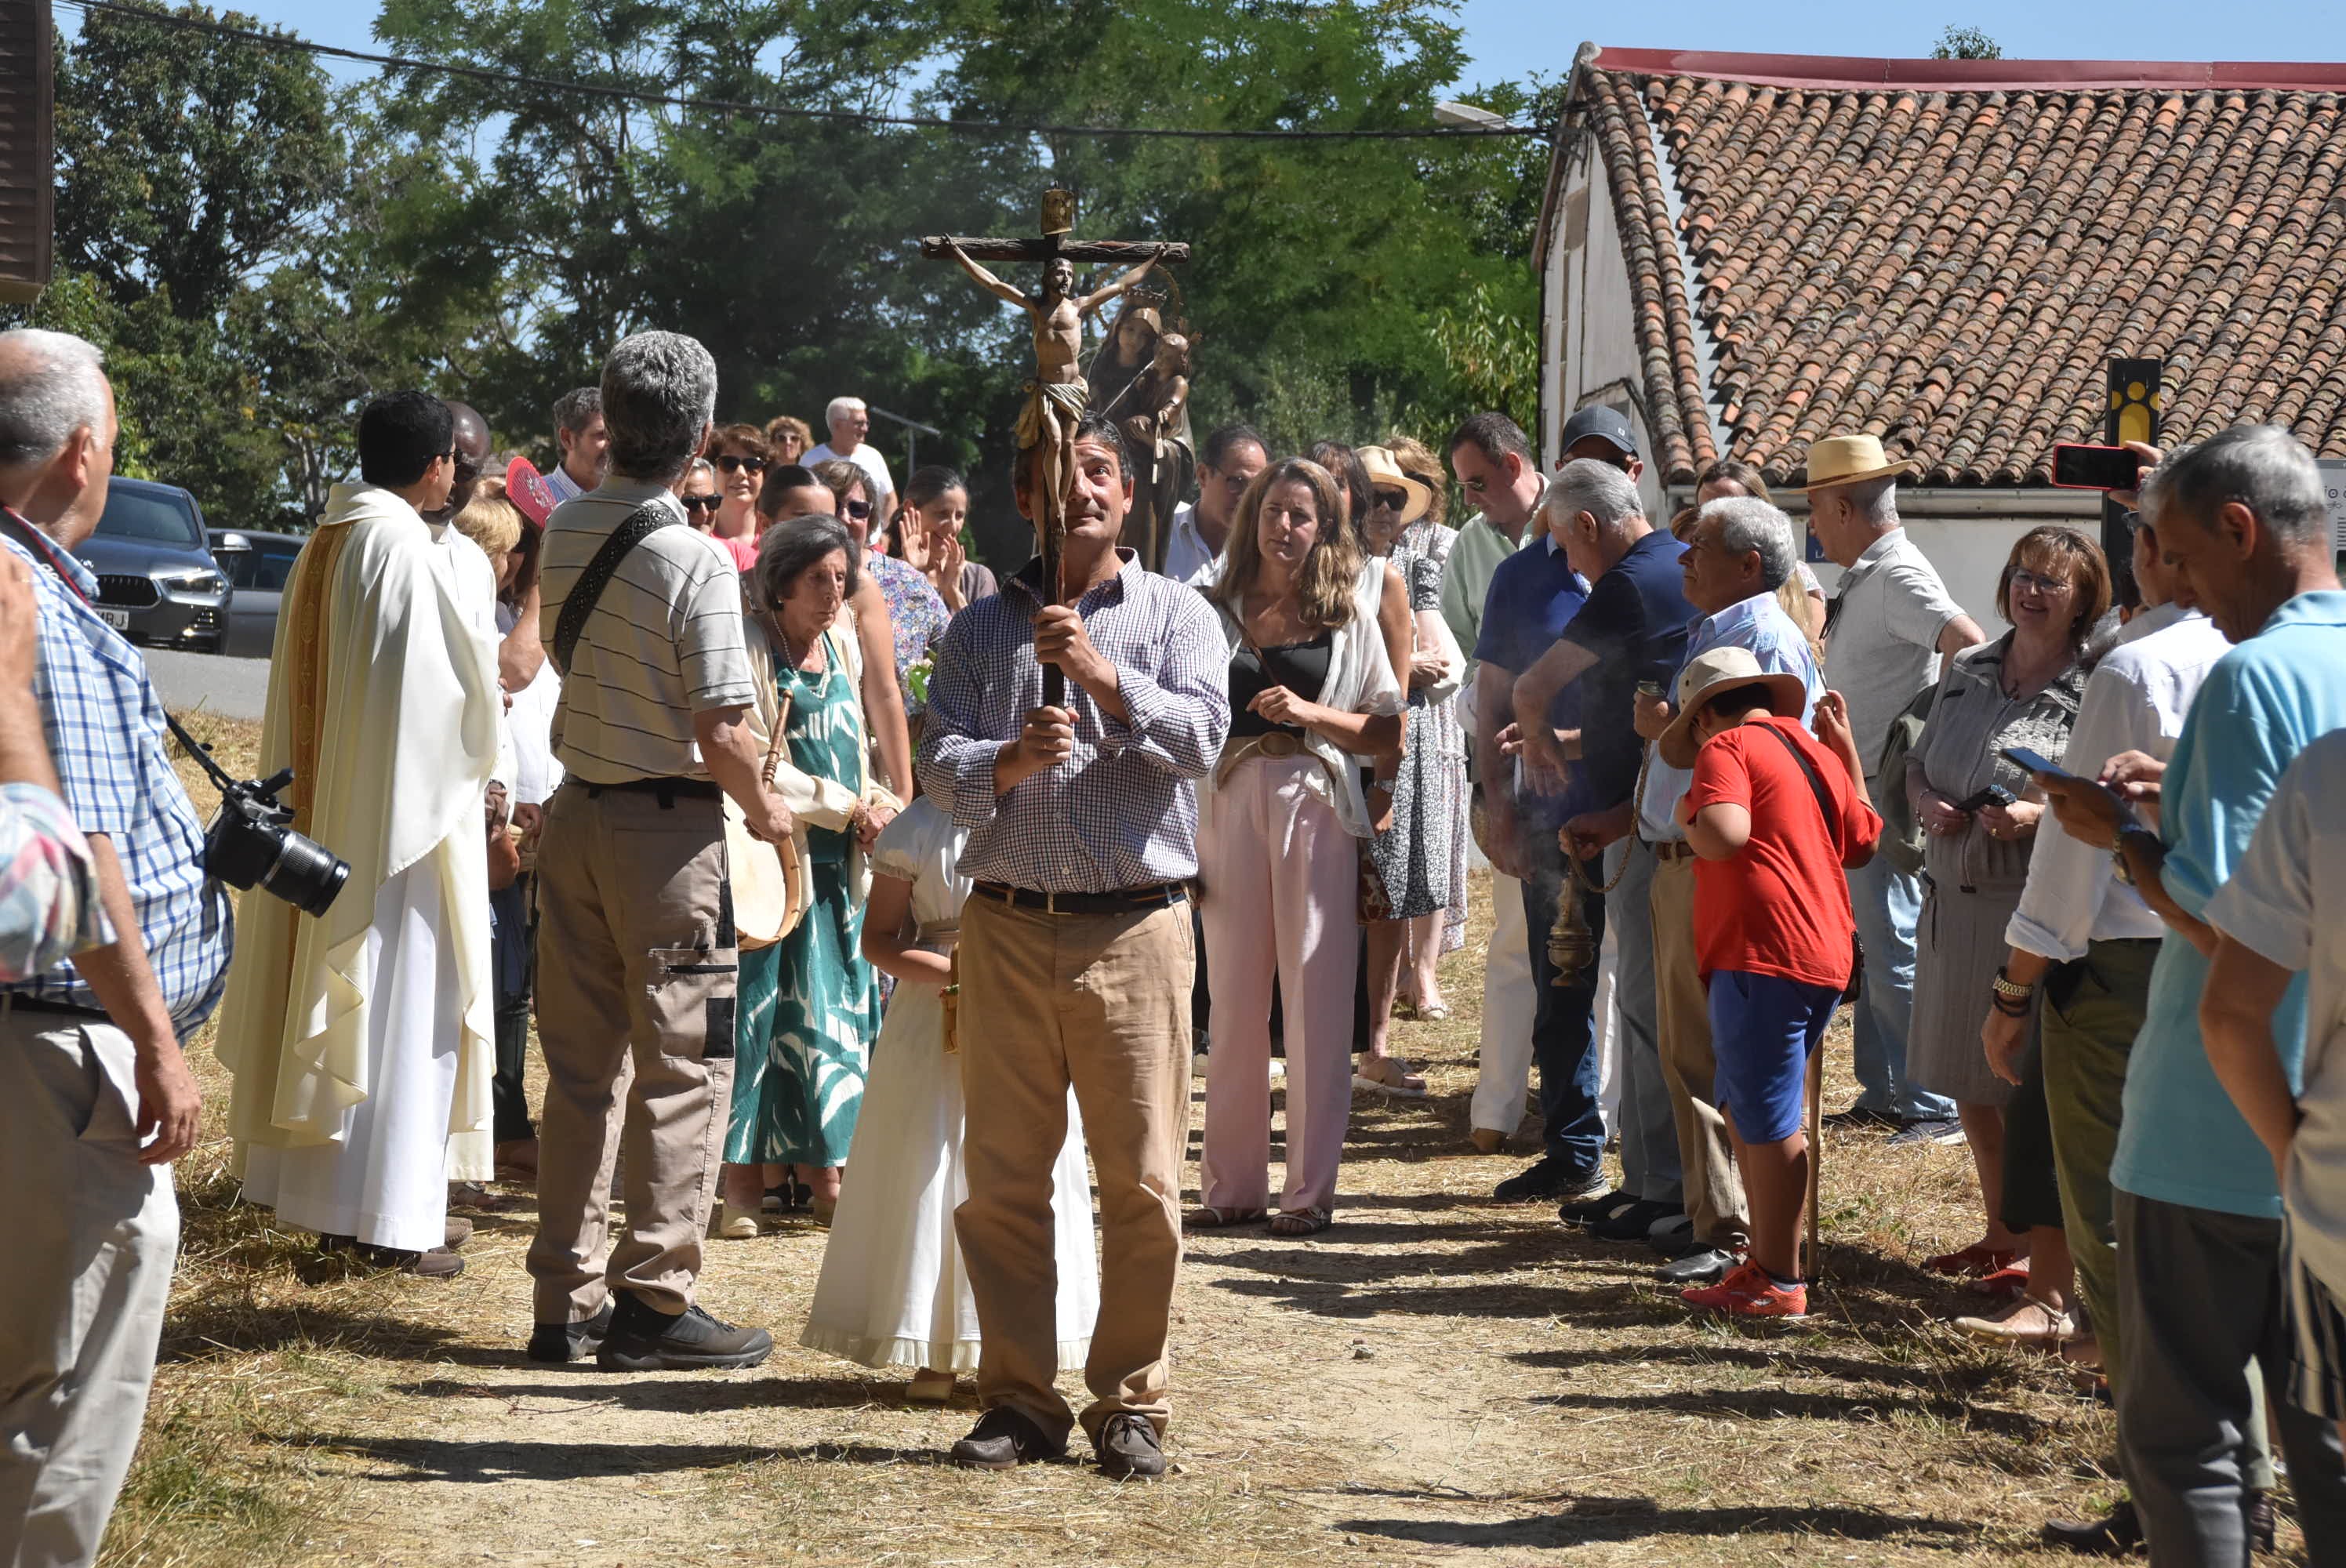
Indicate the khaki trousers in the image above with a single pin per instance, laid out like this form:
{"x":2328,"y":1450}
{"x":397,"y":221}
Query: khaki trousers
{"x":1100,"y":1002}
{"x":636,"y":964}
{"x":1714,"y":1191}
{"x":81,"y":1302}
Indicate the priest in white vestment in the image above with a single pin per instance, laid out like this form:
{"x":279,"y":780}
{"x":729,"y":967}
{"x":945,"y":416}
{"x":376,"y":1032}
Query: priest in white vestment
{"x":362,"y":1041}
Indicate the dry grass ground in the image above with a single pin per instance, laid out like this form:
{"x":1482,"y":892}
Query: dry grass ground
{"x":1432,"y":1381}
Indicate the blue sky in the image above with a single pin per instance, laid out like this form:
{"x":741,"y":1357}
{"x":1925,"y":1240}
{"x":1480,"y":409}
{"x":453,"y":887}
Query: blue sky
{"x":1510,"y":37}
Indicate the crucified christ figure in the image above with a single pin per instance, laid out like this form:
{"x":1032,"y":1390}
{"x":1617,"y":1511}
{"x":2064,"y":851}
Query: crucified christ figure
{"x":1056,"y":397}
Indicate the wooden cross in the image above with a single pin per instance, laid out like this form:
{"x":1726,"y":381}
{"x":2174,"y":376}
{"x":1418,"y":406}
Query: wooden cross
{"x":1056,"y":396}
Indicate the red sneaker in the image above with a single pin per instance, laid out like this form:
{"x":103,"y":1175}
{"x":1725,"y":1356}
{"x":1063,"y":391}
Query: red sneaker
{"x":1748,"y":1292}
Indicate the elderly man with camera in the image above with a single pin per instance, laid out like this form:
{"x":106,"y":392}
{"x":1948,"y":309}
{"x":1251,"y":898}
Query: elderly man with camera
{"x":360,"y":1026}
{"x":96,"y":1100}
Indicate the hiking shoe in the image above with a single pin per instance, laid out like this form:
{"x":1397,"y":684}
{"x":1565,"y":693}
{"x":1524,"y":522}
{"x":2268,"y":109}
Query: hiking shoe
{"x":644,"y":1339}
{"x":2117,"y":1533}
{"x":1633,"y":1221}
{"x":1545,"y":1178}
{"x":1128,"y":1447}
{"x":1925,"y":1130}
{"x":558,"y":1344}
{"x":1748,"y":1292}
{"x":1860,"y":1118}
{"x":1003,"y":1439}
{"x":1703,"y":1265}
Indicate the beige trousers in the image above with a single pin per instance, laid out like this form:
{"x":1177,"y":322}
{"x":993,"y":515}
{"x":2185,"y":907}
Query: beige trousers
{"x":1100,"y":1002}
{"x":636,"y":962}
{"x":1714,"y":1192}
{"x":81,"y":1302}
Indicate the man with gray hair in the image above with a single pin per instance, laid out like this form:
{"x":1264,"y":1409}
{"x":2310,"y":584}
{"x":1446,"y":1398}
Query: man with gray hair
{"x":644,"y":620}
{"x":1889,"y":621}
{"x":96,"y":1099}
{"x":850,"y":418}
{"x":2205,"y":1278}
{"x":1738,"y":554}
{"x":583,"y":441}
{"x":1631,"y":632}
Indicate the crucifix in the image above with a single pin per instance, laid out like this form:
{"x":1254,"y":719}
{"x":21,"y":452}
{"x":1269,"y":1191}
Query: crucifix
{"x":1056,"y":397}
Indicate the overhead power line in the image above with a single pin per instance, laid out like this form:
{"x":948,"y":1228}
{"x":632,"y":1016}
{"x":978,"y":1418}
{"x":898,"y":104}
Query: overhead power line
{"x":773,"y":111}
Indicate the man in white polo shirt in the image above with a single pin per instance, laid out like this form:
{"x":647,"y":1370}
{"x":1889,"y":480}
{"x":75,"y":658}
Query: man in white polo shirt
{"x":1889,"y":623}
{"x":850,"y":418}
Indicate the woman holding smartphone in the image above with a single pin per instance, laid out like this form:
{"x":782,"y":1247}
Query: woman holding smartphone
{"x":1979,"y":824}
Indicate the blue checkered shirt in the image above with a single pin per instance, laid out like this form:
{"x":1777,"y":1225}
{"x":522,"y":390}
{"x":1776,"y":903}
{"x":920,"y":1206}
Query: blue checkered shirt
{"x":104,"y":728}
{"x":1122,"y":812}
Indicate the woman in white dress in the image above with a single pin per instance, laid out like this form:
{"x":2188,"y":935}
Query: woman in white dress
{"x":892,"y":1291}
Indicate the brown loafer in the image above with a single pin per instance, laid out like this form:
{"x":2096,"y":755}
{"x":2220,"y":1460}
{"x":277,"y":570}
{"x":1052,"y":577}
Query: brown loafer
{"x":459,"y":1231}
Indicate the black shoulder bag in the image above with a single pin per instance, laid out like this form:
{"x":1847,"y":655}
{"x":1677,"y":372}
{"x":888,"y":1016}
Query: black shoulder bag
{"x":641,"y":523}
{"x":1856,"y":986}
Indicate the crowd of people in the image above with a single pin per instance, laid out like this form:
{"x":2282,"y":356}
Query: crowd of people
{"x":713,"y":756}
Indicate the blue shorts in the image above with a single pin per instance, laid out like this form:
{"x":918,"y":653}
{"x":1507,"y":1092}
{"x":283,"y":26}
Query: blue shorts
{"x":1763,"y":1030}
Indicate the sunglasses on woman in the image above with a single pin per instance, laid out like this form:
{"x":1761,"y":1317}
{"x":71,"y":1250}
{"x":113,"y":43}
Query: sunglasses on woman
{"x":1394,"y":500}
{"x":859,"y":510}
{"x":693,"y":503}
{"x":729,"y":461}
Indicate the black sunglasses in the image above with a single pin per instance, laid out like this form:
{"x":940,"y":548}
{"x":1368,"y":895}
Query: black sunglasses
{"x":1396,"y":499}
{"x":857,"y":509}
{"x":729,"y":462}
{"x":702,"y":503}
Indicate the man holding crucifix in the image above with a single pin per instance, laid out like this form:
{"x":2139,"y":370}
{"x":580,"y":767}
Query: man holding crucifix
{"x":1076,"y":956}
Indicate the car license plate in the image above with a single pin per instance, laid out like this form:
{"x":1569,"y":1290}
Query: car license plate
{"x":118,"y":620}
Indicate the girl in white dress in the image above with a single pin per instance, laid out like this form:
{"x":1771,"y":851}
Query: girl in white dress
{"x":892,"y":1291}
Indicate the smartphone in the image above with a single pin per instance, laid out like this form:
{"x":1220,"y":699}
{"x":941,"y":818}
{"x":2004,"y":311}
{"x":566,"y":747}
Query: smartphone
{"x":1993,"y":795}
{"x":2080,"y":467}
{"x":2028,"y":761}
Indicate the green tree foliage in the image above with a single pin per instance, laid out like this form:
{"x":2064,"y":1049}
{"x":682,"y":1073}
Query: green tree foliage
{"x":1966,"y":43}
{"x":274,"y":252}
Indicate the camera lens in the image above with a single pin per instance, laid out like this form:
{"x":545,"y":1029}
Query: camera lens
{"x":305,"y":874}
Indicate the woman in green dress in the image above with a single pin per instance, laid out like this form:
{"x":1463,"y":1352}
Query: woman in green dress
{"x":808,"y":1005}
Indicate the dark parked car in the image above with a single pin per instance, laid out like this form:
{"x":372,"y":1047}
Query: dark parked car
{"x":157,"y":580}
{"x":258,"y":566}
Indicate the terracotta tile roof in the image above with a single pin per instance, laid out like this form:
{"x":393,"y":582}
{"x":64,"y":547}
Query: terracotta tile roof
{"x":1948,"y":266}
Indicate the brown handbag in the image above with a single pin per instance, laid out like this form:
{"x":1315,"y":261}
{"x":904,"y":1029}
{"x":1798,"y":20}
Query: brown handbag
{"x":769,"y":883}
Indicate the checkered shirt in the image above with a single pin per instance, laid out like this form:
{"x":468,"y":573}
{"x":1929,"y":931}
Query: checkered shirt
{"x":104,"y":728}
{"x":1122,"y":812}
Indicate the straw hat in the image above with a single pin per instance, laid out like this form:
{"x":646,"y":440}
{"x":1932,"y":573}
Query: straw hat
{"x":1717,"y":671}
{"x":1385,"y":473}
{"x":1850,"y":460}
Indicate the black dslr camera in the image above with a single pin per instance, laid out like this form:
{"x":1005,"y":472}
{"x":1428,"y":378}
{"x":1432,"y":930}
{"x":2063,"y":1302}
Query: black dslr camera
{"x":251,"y":843}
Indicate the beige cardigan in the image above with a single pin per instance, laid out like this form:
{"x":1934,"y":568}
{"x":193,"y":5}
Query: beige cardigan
{"x":816,"y":802}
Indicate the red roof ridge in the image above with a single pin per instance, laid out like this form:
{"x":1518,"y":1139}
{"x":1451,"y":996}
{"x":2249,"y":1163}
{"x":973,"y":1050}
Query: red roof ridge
{"x":1845,"y":71}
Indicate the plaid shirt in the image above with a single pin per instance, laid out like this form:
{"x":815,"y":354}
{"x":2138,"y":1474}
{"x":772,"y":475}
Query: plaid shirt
{"x":104,"y":727}
{"x":1122,"y":812}
{"x":49,"y":909}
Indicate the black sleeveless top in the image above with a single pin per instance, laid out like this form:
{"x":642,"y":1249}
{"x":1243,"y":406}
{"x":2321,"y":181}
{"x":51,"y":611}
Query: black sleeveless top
{"x":1301,"y":667}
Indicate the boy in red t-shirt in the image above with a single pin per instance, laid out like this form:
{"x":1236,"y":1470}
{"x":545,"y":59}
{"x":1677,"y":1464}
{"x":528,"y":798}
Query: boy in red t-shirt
{"x":1773,"y":816}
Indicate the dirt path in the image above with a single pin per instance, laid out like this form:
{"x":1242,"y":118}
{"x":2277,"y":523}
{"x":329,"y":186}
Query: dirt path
{"x":1433,"y":1380}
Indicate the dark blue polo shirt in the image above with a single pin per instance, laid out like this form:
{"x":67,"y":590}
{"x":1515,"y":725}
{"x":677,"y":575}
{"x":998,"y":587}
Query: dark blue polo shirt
{"x":1636,"y":622}
{"x":1534,"y":595}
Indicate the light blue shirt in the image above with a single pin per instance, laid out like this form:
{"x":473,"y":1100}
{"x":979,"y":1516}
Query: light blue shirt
{"x":1759,"y":626}
{"x":2180,"y":1140}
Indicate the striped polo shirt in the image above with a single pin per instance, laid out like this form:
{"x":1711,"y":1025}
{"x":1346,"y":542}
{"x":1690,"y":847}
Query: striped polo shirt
{"x":664,"y":642}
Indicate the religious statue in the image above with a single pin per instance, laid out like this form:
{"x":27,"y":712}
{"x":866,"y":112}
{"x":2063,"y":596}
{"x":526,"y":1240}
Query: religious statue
{"x":1151,"y":407}
{"x":1057,"y":395}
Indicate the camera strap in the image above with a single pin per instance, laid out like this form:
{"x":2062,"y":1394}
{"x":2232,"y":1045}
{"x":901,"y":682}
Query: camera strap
{"x":587,"y":591}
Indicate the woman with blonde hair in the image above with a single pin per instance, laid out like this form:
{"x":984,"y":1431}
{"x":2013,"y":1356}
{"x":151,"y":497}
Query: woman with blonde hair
{"x":787,"y":440}
{"x":1280,"y":821}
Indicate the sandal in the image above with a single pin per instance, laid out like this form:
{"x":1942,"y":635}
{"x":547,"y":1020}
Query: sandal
{"x":1211,"y":1219}
{"x":2009,"y":1282}
{"x":1384,"y":1073}
{"x":1299,"y":1222}
{"x":1433,"y":1012}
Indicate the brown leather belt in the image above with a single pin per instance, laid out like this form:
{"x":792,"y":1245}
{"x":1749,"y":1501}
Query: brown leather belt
{"x":1126,"y":901}
{"x":1670,"y":849}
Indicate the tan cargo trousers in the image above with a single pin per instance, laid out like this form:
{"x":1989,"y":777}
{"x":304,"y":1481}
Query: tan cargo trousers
{"x":1714,"y":1190}
{"x":636,"y":964}
{"x":1100,"y":1002}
